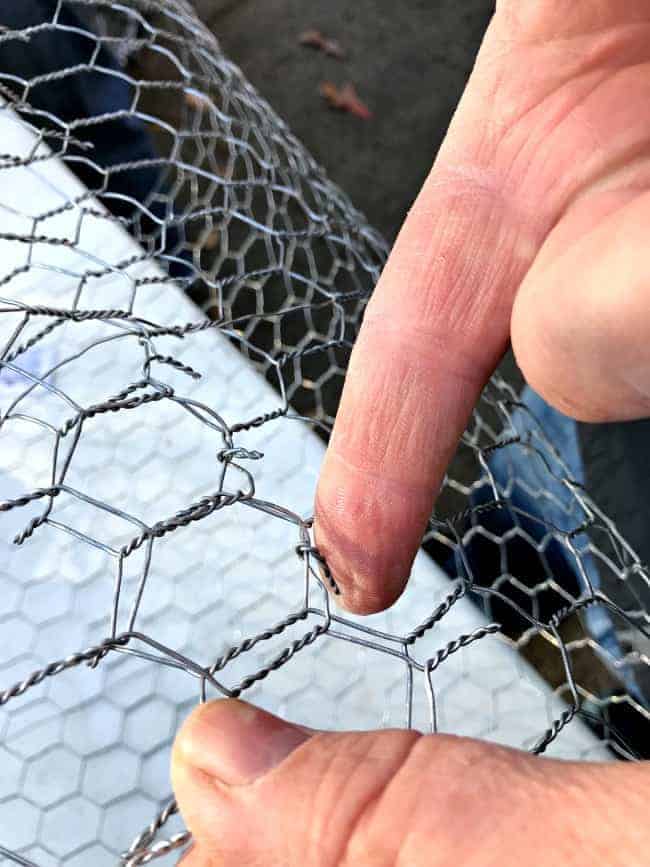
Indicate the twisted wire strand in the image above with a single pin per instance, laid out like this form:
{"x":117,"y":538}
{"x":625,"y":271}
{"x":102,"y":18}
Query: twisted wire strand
{"x":55,"y":668}
{"x":142,"y":842}
{"x":284,"y":265}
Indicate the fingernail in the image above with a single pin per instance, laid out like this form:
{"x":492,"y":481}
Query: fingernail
{"x":237,"y":743}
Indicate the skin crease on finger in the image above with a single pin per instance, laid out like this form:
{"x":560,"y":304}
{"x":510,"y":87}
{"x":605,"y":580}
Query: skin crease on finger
{"x":551,"y":137}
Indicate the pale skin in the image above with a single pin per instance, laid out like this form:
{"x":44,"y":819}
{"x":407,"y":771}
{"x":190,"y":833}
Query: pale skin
{"x":532,"y":227}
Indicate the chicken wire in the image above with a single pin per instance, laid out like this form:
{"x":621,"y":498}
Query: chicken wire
{"x":159,"y":492}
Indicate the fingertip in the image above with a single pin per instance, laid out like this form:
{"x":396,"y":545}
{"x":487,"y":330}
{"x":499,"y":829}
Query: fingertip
{"x":362,"y":603}
{"x":236,"y":743}
{"x":368,"y":533}
{"x":209,"y":713}
{"x":359,"y":593}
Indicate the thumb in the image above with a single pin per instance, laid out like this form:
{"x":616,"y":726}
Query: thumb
{"x":255,"y":790}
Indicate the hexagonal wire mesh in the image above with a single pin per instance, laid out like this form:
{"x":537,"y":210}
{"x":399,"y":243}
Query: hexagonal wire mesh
{"x":160,"y":490}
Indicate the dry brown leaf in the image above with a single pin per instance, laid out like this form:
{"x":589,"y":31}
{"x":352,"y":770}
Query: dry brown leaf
{"x":316,"y":39}
{"x":345,"y":98}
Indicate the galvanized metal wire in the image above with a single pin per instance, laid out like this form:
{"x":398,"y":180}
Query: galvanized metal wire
{"x":170,"y":144}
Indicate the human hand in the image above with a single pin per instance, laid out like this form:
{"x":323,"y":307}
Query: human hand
{"x":255,"y":792}
{"x":532,"y":225}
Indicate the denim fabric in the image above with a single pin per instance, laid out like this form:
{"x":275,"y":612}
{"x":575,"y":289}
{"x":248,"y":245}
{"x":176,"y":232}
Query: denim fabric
{"x":562,"y":432}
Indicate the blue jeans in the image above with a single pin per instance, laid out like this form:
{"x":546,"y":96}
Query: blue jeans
{"x":576,"y":574}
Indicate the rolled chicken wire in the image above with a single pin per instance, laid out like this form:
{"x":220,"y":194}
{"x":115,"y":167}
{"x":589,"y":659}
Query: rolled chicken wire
{"x":158,"y":465}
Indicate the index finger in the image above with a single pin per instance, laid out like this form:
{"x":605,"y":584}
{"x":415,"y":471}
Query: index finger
{"x":433,"y":332}
{"x":439,"y":319}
